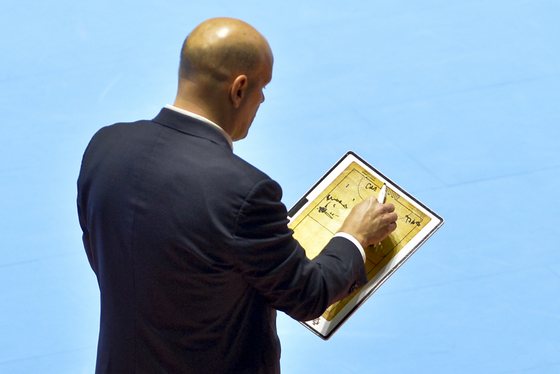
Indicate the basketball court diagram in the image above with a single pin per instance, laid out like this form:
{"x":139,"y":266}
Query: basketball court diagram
{"x":320,"y":219}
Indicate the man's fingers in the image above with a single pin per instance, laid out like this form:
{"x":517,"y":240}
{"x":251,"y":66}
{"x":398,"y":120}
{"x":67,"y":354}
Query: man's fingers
{"x":387,"y":208}
{"x":391,"y":217}
{"x":390,"y":228}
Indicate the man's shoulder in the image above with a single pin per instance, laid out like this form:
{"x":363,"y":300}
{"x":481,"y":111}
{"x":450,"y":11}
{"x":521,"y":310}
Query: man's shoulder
{"x":124,"y":128}
{"x":198,"y":156}
{"x":239,"y":174}
{"x":249,"y":169}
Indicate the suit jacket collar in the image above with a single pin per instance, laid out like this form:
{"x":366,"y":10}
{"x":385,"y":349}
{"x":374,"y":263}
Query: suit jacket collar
{"x":191,"y":126}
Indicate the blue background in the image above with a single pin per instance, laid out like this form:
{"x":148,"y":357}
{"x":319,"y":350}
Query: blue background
{"x":455,"y":101}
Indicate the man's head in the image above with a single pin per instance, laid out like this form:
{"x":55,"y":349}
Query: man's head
{"x":225,"y":64}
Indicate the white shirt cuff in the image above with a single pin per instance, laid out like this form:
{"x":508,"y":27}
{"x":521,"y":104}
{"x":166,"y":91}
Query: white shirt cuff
{"x":353,"y":240}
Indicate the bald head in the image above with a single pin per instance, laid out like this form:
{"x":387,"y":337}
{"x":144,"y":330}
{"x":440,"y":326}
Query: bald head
{"x":225,"y":65}
{"x":221,"y":48}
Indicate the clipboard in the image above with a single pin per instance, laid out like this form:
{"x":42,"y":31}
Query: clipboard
{"x":318,"y":215}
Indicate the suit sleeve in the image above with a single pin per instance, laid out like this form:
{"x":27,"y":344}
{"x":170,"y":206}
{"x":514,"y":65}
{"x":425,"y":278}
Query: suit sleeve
{"x":274,"y":263}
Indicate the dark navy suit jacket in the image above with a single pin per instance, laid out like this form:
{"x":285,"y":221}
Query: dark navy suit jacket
{"x":192,"y":252}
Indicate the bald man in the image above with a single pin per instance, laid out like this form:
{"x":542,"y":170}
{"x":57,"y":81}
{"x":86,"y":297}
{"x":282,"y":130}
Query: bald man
{"x":189,"y":242}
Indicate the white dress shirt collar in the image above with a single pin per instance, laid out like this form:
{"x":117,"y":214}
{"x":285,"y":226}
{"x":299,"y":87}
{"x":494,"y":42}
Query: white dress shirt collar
{"x":202,"y":119}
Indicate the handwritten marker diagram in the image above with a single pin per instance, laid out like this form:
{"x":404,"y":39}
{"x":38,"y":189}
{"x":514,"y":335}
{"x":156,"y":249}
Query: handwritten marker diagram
{"x":324,"y":216}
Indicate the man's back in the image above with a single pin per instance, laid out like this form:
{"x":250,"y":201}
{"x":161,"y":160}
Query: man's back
{"x":192,"y":251}
{"x":160,"y":208}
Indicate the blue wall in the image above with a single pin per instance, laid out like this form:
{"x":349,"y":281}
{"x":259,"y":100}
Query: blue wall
{"x":455,"y":101}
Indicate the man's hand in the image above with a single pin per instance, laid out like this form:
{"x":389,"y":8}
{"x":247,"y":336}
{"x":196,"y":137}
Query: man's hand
{"x":370,"y":222}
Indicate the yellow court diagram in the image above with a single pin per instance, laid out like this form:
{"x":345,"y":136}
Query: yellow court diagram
{"x":316,"y":224}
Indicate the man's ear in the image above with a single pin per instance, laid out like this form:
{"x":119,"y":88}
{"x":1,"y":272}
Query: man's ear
{"x":238,"y":90}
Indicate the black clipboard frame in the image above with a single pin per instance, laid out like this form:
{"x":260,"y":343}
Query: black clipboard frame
{"x":301,"y":203}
